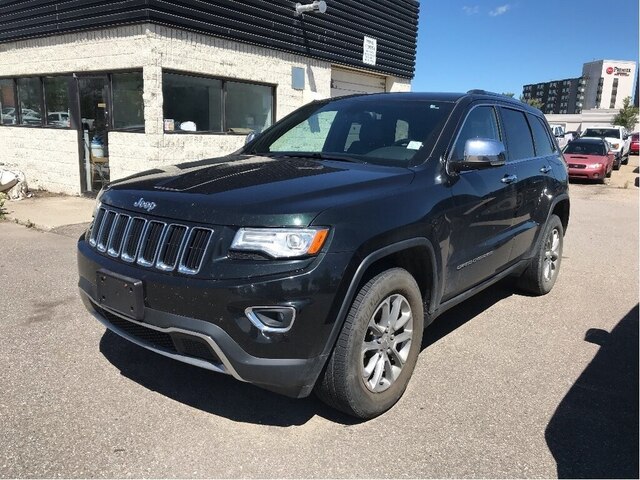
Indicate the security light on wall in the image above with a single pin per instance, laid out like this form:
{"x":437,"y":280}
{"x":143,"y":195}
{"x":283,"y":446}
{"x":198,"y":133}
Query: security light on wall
{"x":317,"y":6}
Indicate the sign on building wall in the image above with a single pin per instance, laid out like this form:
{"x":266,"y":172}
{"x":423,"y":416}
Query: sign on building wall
{"x":369,"y":49}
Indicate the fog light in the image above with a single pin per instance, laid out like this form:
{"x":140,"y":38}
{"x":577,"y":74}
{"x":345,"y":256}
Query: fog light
{"x":271,"y":319}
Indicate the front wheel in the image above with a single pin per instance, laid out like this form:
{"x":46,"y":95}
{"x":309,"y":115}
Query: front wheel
{"x":377,"y":349}
{"x":541,"y":274}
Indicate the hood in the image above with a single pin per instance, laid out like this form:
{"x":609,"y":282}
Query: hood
{"x":245,"y":190}
{"x":584,"y":159}
{"x":611,"y":140}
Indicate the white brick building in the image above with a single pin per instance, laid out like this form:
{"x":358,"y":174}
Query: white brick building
{"x":144,"y":95}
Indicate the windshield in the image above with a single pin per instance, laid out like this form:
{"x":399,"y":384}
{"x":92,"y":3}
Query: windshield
{"x":584,"y":148}
{"x":375,"y":130}
{"x":602,"y":132}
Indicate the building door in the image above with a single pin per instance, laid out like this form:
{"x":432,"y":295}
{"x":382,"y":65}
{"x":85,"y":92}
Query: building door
{"x":94,"y":101}
{"x":348,"y":82}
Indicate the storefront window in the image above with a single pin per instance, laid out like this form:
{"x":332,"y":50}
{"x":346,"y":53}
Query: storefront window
{"x":192,"y":103}
{"x":7,"y":103}
{"x":30,"y":100}
{"x":56,"y":95}
{"x":128,"y":106}
{"x":248,"y":107}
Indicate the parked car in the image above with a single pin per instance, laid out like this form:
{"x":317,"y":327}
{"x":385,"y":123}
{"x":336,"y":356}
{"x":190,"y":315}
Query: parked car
{"x":589,"y":158}
{"x":8,"y":116}
{"x":558,"y":131}
{"x":60,"y":119}
{"x":634,"y":146}
{"x":617,"y":136}
{"x":313,"y":258}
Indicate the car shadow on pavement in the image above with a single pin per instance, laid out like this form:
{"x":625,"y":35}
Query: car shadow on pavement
{"x":594,"y":431}
{"x":222,"y":395}
{"x":211,"y":392}
{"x":467,"y":310}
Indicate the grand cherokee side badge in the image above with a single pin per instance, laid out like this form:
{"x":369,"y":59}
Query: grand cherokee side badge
{"x":142,"y":203}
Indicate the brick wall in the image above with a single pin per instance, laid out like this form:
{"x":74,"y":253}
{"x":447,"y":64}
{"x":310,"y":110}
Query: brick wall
{"x":49,"y":157}
{"x":150,"y":48}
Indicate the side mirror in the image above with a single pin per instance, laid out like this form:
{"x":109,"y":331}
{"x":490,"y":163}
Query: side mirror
{"x":250,"y":137}
{"x":480,"y":153}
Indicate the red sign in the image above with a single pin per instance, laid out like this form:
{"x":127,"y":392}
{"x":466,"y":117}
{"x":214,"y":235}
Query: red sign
{"x":609,"y":70}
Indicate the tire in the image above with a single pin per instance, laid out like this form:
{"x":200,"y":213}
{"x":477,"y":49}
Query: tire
{"x":541,"y":274}
{"x":361,"y":378}
{"x":624,"y":160}
{"x":608,"y":174}
{"x":616,"y":164}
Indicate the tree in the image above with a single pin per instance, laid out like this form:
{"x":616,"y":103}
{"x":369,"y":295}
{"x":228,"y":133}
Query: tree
{"x":534,"y":102}
{"x":627,"y":116}
{"x":508,"y":94}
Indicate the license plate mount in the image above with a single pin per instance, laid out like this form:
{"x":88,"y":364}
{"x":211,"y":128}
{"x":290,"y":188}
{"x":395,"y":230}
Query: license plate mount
{"x":121,"y":294}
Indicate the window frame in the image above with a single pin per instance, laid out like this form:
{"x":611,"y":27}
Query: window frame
{"x":14,"y":85}
{"x":223,"y":105}
{"x":42,"y":76}
{"x":460,"y":126}
{"x":506,"y":144}
{"x":545,"y":128}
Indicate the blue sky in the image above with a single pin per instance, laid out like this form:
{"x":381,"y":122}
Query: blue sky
{"x":502,"y":45}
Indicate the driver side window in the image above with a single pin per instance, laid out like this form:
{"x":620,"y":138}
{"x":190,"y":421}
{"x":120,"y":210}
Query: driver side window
{"x":481,"y":122}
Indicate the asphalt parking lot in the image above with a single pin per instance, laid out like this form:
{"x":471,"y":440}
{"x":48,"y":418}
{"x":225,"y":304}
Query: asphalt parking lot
{"x":506,"y":385}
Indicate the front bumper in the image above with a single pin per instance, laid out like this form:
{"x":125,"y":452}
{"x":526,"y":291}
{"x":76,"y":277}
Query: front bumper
{"x":588,"y":173}
{"x":202,"y":322}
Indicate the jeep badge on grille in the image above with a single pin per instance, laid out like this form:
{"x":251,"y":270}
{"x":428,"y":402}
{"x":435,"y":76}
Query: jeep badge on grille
{"x":142,"y":203}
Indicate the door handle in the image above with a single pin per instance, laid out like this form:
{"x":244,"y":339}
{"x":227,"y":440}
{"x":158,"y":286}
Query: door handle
{"x":509,"y":179}
{"x":545,"y":169}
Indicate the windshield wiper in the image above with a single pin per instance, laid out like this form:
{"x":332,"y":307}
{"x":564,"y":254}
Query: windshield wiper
{"x":315,"y":155}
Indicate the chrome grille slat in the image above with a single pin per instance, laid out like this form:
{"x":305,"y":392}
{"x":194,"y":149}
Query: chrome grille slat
{"x":117,"y":234}
{"x":132,"y":239}
{"x":150,"y":242}
{"x":97,"y":225}
{"x":105,"y":231}
{"x":171,"y":247}
{"x":195,"y":248}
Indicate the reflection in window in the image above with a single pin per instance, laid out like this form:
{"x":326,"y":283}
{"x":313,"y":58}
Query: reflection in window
{"x":7,"y":103}
{"x":128,"y":107}
{"x":56,"y":95}
{"x":519,"y":141}
{"x":192,"y":103}
{"x":308,"y":136}
{"x":248,"y":107}
{"x":30,"y":100}
{"x":480,"y":123}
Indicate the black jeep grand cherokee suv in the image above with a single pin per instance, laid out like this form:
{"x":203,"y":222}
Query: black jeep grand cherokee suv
{"x":314,"y":257}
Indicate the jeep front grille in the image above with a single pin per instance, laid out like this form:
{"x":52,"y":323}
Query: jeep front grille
{"x":150,"y":243}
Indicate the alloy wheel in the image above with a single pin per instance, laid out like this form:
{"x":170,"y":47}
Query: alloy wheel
{"x":387,"y":343}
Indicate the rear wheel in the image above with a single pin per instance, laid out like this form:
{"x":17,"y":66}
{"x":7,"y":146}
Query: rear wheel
{"x":541,"y":274}
{"x":378,"y":347}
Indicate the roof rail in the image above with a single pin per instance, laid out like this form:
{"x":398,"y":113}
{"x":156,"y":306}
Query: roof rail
{"x":485,"y":92}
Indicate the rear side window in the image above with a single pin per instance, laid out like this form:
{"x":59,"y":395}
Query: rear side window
{"x":516,"y":128}
{"x":540,"y":137}
{"x":480,"y":123}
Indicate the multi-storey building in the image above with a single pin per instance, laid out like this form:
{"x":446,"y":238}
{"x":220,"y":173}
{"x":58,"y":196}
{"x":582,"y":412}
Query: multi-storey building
{"x":558,"y":96}
{"x":604,"y":84}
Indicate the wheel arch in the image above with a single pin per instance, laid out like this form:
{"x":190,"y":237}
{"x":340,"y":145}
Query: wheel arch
{"x":413,"y":254}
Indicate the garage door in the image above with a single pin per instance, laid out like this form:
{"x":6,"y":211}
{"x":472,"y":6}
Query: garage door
{"x":348,"y":82}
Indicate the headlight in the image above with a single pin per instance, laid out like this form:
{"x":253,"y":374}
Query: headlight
{"x":615,"y":145}
{"x":594,"y":166}
{"x":281,"y":242}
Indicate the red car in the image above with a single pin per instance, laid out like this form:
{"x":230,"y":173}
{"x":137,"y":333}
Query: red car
{"x":589,"y":158}
{"x":634,"y":147}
